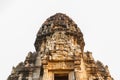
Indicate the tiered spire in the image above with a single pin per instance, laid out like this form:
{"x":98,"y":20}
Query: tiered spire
{"x":60,"y":55}
{"x":59,"y":22}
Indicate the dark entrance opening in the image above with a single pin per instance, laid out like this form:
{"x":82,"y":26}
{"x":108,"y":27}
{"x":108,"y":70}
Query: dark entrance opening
{"x":61,"y":77}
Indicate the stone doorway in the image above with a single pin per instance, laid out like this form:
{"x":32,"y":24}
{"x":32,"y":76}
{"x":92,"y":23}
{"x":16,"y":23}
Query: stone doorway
{"x":60,"y":76}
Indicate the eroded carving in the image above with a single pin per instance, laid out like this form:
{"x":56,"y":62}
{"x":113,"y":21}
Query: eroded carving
{"x":60,"y":49}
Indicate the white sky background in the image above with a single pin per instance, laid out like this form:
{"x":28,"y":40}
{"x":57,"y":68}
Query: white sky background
{"x":20,"y":20}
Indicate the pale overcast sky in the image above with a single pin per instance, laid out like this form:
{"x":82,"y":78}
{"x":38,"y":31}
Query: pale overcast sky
{"x":20,"y":20}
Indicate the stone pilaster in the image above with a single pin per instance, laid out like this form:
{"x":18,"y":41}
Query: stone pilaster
{"x":45,"y":75}
{"x":51,"y":76}
{"x":72,"y":75}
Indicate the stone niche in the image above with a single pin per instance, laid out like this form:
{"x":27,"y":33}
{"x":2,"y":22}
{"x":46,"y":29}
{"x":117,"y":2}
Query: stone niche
{"x":59,"y":70}
{"x":61,"y":75}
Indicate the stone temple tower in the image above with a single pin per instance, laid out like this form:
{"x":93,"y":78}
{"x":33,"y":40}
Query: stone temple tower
{"x":60,"y":55}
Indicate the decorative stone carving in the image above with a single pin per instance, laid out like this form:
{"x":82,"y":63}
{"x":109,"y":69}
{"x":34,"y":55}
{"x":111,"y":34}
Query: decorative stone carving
{"x":61,"y":65}
{"x":60,"y":51}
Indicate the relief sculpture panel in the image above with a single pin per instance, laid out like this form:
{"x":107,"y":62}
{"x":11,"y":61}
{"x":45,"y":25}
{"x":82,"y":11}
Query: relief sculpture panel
{"x":60,"y":65}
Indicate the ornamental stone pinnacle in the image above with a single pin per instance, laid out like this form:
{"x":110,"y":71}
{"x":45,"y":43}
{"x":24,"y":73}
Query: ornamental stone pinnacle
{"x":60,"y":55}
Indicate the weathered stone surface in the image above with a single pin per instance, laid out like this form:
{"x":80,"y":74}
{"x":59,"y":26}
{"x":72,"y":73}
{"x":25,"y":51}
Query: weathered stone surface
{"x":60,"y":55}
